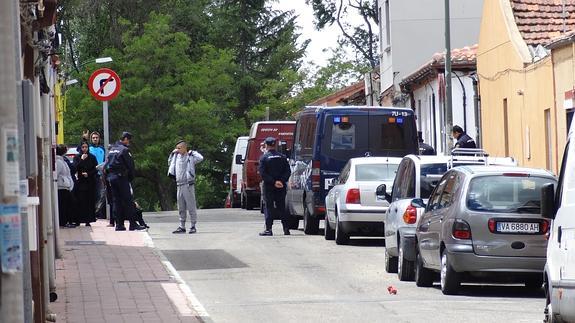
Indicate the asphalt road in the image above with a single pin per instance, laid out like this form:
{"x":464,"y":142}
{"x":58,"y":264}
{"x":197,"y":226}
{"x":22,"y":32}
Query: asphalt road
{"x":238,"y":276}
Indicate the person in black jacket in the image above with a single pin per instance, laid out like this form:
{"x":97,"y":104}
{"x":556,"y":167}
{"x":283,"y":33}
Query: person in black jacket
{"x":119,"y":168}
{"x":463,"y":140}
{"x":275,"y":171}
{"x":85,"y":187}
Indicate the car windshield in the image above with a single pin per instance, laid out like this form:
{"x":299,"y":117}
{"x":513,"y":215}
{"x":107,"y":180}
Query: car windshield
{"x":375,"y":172}
{"x":506,"y":194}
{"x":430,"y":176}
{"x":375,"y":135}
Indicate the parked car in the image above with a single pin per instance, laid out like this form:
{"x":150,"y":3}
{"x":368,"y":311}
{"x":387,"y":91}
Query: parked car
{"x":327,"y":137}
{"x":283,"y":132}
{"x":560,"y":267}
{"x":483,"y":223}
{"x":417,"y":176}
{"x":237,"y":170}
{"x":352,"y":207}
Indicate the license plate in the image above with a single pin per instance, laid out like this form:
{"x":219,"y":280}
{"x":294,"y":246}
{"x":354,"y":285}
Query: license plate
{"x":517,"y":227}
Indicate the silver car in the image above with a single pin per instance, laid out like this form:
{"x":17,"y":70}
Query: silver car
{"x":483,"y":223}
{"x":352,"y":207}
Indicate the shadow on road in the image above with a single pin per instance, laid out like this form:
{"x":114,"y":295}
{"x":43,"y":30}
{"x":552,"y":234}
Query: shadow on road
{"x":508,"y":291}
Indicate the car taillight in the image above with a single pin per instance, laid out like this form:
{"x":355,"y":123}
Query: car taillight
{"x":315,"y":176}
{"x":234,"y":181}
{"x":461,"y":230}
{"x":491,"y":225}
{"x":410,"y":215}
{"x":352,"y":196}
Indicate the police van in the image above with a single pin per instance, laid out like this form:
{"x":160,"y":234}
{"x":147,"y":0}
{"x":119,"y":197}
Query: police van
{"x":326,"y":138}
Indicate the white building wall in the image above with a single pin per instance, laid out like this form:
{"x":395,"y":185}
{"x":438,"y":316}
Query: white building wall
{"x":417,"y":29}
{"x":431,"y":116}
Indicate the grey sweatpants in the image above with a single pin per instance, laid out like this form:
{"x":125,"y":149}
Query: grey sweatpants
{"x":187,"y":203}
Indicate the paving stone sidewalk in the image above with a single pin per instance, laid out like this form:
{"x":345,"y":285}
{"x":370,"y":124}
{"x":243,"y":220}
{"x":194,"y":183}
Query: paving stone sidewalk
{"x":109,"y":276}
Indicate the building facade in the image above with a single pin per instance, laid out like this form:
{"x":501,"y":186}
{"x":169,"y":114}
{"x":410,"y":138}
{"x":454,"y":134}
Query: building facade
{"x":411,"y":31}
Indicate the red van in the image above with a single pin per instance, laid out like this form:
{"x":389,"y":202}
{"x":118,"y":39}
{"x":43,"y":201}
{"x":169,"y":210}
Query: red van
{"x":283,"y":132}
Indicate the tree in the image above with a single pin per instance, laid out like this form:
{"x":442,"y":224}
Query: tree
{"x":362,"y":38}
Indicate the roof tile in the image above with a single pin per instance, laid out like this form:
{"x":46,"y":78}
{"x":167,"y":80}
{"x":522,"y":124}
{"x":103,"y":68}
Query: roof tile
{"x":539,"y":21}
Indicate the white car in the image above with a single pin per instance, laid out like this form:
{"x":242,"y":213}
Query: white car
{"x":352,"y":207}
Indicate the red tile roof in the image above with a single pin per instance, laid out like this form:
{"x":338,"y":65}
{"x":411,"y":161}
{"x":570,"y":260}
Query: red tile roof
{"x":539,"y":21}
{"x":460,"y":58}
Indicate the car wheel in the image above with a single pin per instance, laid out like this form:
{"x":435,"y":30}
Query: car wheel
{"x":390,"y":263}
{"x":449,"y":278}
{"x":293,"y":222}
{"x":534,"y":283}
{"x":423,"y":276}
{"x":249,"y":203}
{"x":328,"y":232}
{"x":341,"y":237}
{"x":310,"y":224}
{"x":405,"y":270}
{"x":243,"y":200}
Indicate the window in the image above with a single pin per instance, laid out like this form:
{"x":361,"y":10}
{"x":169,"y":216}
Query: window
{"x":387,"y":25}
{"x":344,"y":175}
{"x":396,"y":191}
{"x":506,"y":194}
{"x":435,"y":195}
{"x":561,"y":183}
{"x":449,"y":191}
{"x":303,"y":143}
{"x":429,"y":177}
{"x":375,"y":172}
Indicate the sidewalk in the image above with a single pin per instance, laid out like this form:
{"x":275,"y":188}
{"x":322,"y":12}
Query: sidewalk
{"x":109,"y":276}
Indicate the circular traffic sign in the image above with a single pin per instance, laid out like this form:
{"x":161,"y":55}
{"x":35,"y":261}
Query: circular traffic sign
{"x":104,"y":84}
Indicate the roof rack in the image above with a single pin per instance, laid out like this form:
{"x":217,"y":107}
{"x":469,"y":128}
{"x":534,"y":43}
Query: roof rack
{"x":468,"y":156}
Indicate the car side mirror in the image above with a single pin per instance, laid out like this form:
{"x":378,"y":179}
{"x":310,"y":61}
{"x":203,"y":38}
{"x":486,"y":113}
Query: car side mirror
{"x":381,"y":193}
{"x":239,"y":159}
{"x":227,"y":179}
{"x":418,"y":202}
{"x":548,"y":207}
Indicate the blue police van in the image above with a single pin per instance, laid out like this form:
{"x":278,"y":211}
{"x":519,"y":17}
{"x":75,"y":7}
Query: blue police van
{"x":327,"y":137}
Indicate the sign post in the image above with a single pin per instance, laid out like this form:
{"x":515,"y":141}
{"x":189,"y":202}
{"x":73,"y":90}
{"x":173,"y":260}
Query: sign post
{"x":105,"y":84}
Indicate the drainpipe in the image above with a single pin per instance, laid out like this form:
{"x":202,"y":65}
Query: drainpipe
{"x":477,"y":109}
{"x":464,"y":102}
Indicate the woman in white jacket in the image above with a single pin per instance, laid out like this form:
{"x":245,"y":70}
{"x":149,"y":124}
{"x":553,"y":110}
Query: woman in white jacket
{"x":65,"y":186}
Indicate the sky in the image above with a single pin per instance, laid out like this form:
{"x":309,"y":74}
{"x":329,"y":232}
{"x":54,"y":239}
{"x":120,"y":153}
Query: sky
{"x":320,"y":40}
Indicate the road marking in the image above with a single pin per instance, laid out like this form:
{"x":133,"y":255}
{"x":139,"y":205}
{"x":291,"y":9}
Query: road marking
{"x":184,"y":288}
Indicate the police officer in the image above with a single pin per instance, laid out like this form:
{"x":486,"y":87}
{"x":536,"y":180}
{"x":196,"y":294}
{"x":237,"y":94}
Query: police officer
{"x":424,"y":149}
{"x":120,"y":172}
{"x":275,"y":171}
{"x":463,"y":140}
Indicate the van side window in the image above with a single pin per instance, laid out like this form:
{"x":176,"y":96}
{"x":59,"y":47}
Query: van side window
{"x":306,"y":137}
{"x":396,"y":191}
{"x":343,"y":136}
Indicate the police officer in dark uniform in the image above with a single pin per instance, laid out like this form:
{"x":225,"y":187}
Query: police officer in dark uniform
{"x":275,"y":171}
{"x":463,"y":140}
{"x":424,"y":149}
{"x":119,"y":168}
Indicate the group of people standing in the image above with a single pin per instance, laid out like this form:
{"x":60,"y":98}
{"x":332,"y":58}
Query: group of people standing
{"x":91,"y":178}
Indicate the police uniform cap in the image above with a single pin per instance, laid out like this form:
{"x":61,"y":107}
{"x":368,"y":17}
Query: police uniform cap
{"x":270,"y":141}
{"x":126,"y":134}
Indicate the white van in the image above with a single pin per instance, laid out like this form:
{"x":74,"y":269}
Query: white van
{"x":559,"y":205}
{"x":236,"y":171}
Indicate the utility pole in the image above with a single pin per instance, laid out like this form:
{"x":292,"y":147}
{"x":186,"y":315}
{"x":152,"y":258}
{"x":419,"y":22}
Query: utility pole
{"x":11,"y":278}
{"x":448,"y":102}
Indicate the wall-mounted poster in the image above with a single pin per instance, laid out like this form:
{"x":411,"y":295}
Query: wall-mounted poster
{"x":10,"y":238}
{"x":9,"y":161}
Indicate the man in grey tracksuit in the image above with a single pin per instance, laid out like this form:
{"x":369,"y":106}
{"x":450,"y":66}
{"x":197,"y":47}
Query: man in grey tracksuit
{"x":182,"y":167}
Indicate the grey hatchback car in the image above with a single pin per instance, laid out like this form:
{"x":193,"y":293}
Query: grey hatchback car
{"x":483,"y":223}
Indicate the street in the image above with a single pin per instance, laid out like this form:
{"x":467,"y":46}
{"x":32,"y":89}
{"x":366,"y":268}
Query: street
{"x":238,"y":276}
